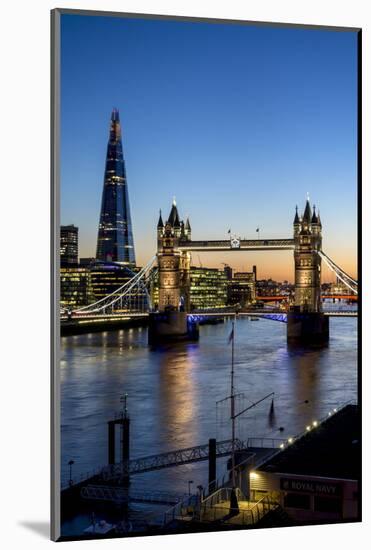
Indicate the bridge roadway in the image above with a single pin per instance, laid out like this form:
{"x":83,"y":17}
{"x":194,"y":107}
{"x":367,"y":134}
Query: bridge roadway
{"x":238,"y":244}
{"x":98,"y":322}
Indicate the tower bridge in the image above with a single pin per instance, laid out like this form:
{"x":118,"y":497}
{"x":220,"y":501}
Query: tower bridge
{"x":306,"y":321}
{"x":170,"y":319}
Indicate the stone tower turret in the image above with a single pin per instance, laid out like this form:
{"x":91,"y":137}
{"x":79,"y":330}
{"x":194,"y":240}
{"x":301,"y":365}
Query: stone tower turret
{"x":308,"y":239}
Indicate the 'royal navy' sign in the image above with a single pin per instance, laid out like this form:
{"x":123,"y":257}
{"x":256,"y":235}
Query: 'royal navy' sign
{"x":310,"y":486}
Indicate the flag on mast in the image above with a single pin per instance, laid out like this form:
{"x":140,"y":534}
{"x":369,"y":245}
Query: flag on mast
{"x":231,"y":336}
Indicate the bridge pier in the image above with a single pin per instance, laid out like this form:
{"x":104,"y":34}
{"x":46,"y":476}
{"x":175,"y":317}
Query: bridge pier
{"x":171,"y":326}
{"x":306,"y":324}
{"x":171,"y":323}
{"x":309,"y":328}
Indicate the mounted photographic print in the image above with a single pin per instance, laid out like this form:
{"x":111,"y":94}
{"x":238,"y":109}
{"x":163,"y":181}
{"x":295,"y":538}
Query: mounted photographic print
{"x":205,"y":190}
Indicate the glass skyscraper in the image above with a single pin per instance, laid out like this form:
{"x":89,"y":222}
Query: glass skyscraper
{"x":115,"y":234}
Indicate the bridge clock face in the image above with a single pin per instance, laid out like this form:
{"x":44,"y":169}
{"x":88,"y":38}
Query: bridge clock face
{"x":235,"y":243}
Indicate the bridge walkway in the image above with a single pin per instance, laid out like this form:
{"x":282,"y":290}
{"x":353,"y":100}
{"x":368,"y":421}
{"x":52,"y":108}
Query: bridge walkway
{"x":187,"y":456}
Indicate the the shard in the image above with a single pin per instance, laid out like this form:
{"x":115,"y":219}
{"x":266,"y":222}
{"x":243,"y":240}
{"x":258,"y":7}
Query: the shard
{"x":115,"y":234}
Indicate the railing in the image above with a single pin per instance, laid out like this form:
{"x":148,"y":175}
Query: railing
{"x":226,"y":480}
{"x":265,"y":442}
{"x":221,"y":495}
{"x":248,"y":513}
{"x":187,"y":508}
{"x":80,"y":478}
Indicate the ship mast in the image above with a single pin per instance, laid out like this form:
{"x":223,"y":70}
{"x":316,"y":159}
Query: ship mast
{"x":233,"y":416}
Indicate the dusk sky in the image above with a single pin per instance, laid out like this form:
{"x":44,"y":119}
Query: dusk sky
{"x":237,"y":122}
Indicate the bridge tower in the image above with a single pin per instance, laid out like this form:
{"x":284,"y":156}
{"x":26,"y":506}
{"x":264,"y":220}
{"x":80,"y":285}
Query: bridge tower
{"x":306,"y":322}
{"x":308,"y":239}
{"x":170,"y":322}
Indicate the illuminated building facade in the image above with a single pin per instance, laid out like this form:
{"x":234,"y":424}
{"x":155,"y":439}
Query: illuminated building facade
{"x":115,"y":235}
{"x":75,"y":287}
{"x":154,"y":288}
{"x":106,"y":278}
{"x":208,"y":288}
{"x":86,"y":284}
{"x":69,"y":245}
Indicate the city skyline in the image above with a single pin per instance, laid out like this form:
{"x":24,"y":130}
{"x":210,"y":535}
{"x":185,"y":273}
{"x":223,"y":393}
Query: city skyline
{"x":305,"y":127}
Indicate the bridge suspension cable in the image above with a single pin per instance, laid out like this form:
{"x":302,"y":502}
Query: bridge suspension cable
{"x":135,"y":288}
{"x":349,"y":282}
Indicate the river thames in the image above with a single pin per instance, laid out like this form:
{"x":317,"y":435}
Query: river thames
{"x":172,"y":392}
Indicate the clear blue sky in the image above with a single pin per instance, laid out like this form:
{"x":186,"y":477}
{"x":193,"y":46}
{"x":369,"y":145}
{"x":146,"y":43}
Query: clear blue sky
{"x":238,"y":122}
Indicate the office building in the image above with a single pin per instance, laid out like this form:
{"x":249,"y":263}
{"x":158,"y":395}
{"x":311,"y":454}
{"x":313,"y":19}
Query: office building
{"x":208,"y":288}
{"x":69,"y":245}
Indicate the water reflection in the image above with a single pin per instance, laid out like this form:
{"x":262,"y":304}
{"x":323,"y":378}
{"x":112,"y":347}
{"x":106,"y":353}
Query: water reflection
{"x":173,"y":391}
{"x":175,"y":396}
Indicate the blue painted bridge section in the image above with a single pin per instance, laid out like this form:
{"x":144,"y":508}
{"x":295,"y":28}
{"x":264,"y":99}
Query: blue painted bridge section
{"x":281,"y":317}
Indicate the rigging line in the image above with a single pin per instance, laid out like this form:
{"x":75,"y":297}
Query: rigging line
{"x":254,"y":404}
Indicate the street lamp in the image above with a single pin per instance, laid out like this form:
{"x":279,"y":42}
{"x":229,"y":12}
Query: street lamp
{"x":70,"y":463}
{"x":189,"y":486}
